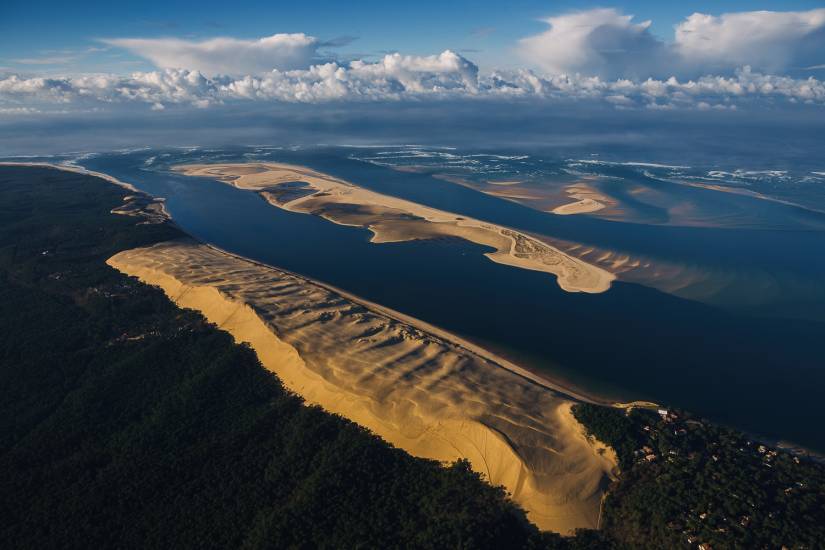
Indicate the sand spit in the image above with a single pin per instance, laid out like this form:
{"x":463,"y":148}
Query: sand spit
{"x":77,"y":170}
{"x":138,"y":204}
{"x":300,"y":189}
{"x":418,"y":390}
{"x":587,"y":200}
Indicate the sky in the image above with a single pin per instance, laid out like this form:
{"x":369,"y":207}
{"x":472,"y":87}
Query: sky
{"x":487,"y":31}
{"x":94,"y":60}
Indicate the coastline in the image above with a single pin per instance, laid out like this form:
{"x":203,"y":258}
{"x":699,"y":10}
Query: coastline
{"x":535,"y":376}
{"x":502,"y":417}
{"x":77,"y":170}
{"x":139,"y":203}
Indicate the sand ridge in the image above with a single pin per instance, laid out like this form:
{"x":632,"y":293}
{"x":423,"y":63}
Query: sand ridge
{"x":393,"y":220}
{"x":416,"y":389}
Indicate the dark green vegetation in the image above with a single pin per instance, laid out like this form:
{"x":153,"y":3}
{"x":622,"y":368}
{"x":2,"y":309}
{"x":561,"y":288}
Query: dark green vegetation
{"x":685,"y":479}
{"x":127,"y":422}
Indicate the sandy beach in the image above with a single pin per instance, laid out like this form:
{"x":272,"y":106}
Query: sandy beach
{"x":421,"y":391}
{"x":391,"y":219}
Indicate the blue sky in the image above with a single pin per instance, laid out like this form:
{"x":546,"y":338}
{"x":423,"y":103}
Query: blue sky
{"x":485,"y":31}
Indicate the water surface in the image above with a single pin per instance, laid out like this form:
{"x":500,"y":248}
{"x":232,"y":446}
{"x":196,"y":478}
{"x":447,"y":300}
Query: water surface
{"x":756,"y":371}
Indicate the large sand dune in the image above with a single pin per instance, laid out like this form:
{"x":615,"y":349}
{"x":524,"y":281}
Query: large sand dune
{"x":392,"y":219}
{"x":419,"y":389}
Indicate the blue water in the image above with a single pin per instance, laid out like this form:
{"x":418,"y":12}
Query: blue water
{"x":761,"y":373}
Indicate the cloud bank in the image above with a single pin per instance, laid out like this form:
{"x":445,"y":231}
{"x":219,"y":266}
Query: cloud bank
{"x":396,"y":77}
{"x":226,"y":56}
{"x":607,"y":43}
{"x":714,"y":62}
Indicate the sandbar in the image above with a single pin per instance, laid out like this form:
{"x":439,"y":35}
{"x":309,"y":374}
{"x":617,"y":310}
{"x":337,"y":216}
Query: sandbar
{"x":392,"y":219}
{"x":587,"y":200}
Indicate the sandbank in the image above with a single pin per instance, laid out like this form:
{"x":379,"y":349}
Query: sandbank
{"x":587,"y":200}
{"x":392,"y":219}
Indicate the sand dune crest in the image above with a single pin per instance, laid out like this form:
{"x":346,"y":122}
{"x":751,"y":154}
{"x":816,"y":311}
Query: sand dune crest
{"x":414,"y":388}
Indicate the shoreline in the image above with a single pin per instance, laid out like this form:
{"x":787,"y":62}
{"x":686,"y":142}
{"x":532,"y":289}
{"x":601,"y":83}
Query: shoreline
{"x":140,"y":203}
{"x":532,"y":375}
{"x":77,"y":170}
{"x":536,"y":376}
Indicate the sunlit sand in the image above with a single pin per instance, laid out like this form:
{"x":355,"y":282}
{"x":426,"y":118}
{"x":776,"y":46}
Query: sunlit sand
{"x":393,"y":220}
{"x":417,"y":387}
{"x":587,"y":200}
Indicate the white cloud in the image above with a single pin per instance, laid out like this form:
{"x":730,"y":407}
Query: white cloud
{"x":768,"y":41}
{"x":393,"y":77}
{"x":607,"y":43}
{"x":599,"y":42}
{"x":396,"y":77}
{"x":228,"y":56}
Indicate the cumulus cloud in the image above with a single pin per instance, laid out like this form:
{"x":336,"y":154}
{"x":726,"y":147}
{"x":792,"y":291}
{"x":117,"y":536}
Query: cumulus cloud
{"x":768,"y":41}
{"x":226,"y":56}
{"x":398,"y":77}
{"x":609,"y":44}
{"x":599,"y":42}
